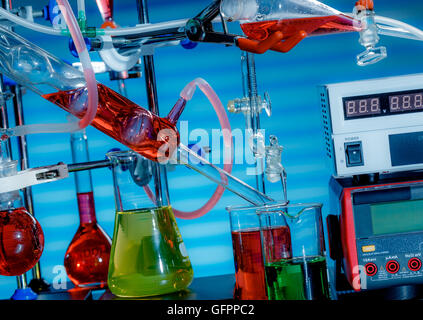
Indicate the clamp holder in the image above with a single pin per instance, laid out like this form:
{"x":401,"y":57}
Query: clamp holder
{"x":30,"y":177}
{"x":200,"y":29}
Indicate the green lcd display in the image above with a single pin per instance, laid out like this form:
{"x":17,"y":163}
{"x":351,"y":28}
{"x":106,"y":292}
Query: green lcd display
{"x":397,"y":217}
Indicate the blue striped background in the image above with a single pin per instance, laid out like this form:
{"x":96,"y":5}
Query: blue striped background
{"x":291,"y":81}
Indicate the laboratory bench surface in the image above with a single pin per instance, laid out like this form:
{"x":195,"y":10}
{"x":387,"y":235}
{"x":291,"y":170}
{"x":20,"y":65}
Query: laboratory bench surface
{"x":203,"y":288}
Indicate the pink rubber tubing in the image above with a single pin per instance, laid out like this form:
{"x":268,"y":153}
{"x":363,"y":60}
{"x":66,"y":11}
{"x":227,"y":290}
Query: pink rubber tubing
{"x":89,"y":74}
{"x":187,"y":94}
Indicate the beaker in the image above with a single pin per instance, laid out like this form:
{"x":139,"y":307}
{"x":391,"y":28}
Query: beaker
{"x":249,"y":268}
{"x":148,"y":256}
{"x":304,"y":275}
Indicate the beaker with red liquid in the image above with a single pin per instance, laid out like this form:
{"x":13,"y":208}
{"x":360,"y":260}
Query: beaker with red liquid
{"x":250,"y":281}
{"x":87,"y":257}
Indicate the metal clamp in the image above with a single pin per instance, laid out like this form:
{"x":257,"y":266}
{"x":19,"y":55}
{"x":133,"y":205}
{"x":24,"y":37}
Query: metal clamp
{"x":33,"y":176}
{"x":200,"y":28}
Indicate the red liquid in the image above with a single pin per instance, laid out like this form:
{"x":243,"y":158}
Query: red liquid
{"x":106,"y":9}
{"x":118,"y":117}
{"x":312,"y":25}
{"x":21,"y":242}
{"x":87,"y":257}
{"x":249,"y":267}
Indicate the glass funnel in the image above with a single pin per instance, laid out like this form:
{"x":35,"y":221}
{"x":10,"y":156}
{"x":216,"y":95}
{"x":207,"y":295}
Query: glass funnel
{"x":302,"y":276}
{"x":148,"y":255}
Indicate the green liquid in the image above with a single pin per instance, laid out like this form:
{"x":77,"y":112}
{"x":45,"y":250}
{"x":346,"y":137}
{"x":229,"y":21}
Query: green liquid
{"x":148,"y":256}
{"x":297,"y":279}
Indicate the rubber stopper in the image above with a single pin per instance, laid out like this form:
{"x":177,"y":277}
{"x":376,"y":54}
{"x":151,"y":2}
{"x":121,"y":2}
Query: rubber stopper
{"x":188,"y":44}
{"x":365,"y":4}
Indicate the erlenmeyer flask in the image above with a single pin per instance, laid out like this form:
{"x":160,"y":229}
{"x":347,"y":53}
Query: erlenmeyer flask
{"x":87,"y":257}
{"x":259,"y":19}
{"x":148,"y":255}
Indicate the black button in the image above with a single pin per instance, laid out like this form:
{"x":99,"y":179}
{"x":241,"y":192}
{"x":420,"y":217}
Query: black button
{"x":354,"y":155}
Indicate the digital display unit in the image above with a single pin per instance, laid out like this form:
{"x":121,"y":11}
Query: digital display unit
{"x":397,"y":217}
{"x":362,"y":107}
{"x":406,"y":102}
{"x":383,"y":104}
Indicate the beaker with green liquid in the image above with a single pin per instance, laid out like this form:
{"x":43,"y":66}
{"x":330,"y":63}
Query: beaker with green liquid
{"x":303,"y":274}
{"x":148,"y":256}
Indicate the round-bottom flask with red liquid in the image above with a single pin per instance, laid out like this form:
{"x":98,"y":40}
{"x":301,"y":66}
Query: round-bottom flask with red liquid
{"x":21,"y":241}
{"x":87,"y":257}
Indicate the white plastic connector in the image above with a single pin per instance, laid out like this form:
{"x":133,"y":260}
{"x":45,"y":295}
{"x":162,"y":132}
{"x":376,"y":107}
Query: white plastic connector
{"x":114,"y":60}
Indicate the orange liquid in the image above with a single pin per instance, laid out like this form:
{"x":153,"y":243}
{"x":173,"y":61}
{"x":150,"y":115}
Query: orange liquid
{"x":106,"y":9}
{"x":250,"y":281}
{"x":87,"y":257}
{"x":21,"y":242}
{"x":124,"y":121}
{"x":312,"y":25}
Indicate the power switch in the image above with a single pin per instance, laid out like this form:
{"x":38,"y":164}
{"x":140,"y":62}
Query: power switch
{"x":354,"y":154}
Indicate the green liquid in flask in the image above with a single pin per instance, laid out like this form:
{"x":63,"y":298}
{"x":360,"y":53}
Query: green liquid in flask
{"x":297,"y":279}
{"x":148,"y":256}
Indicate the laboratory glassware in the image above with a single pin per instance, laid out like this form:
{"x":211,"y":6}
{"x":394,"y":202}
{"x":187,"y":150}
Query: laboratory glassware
{"x":247,"y":246}
{"x":21,"y":236}
{"x":304,"y":275}
{"x":116,"y":116}
{"x":106,"y":9}
{"x":148,"y":256}
{"x":260,"y":19}
{"x":65,"y":86}
{"x":87,"y":256}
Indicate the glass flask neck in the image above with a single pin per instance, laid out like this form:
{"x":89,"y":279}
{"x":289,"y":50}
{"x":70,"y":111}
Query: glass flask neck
{"x":176,"y":111}
{"x":8,"y":200}
{"x":83,"y":179}
{"x":11,"y":203}
{"x":86,"y":208}
{"x":139,"y":183}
